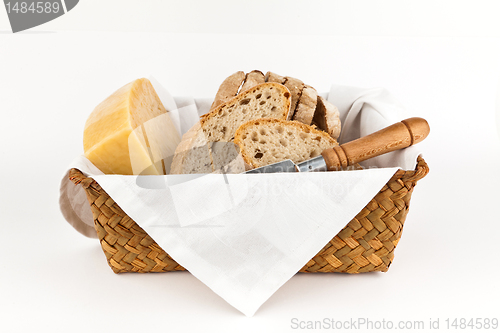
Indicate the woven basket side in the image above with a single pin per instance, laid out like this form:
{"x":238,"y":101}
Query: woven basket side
{"x":368,"y":241}
{"x":128,"y":248}
{"x":366,"y":244}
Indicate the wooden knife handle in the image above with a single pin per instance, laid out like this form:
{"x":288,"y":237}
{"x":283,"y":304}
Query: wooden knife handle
{"x":397,"y":136}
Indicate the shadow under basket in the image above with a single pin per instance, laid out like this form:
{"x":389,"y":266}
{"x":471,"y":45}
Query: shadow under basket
{"x":366,"y":244}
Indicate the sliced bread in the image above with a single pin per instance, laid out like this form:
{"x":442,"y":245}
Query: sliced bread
{"x":327,"y":117}
{"x":306,"y":105}
{"x":266,"y":100}
{"x":270,"y":100}
{"x":252,"y":79}
{"x":273,"y":77}
{"x":229,"y":88}
{"x":192,"y":155}
{"x":295,"y":86}
{"x":267,"y":141}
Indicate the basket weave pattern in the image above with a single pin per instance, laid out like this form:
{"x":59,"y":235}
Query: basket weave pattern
{"x":366,"y":244}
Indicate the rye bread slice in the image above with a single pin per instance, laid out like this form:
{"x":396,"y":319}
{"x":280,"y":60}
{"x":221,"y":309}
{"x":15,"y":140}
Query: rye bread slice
{"x":295,"y":86}
{"x":266,"y":100}
{"x":273,"y":77}
{"x":327,"y":117}
{"x":306,"y":105}
{"x":192,"y":155}
{"x":228,"y":88}
{"x":266,"y":141}
{"x":252,"y":79}
{"x":269,"y":100}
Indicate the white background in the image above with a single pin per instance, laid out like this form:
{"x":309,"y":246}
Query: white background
{"x":441,"y":60}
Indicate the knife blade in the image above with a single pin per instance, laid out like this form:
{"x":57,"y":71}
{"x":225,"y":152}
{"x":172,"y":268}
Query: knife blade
{"x":314,"y":164}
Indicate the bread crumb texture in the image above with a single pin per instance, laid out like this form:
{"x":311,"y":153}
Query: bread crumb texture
{"x":267,"y":100}
{"x":266,"y":141}
{"x":208,"y":148}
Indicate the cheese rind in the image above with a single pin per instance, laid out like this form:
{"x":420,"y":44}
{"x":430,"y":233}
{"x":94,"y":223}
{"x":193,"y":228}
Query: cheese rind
{"x":130,"y":132}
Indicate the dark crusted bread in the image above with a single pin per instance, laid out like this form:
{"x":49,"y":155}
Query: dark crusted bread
{"x":327,"y":117}
{"x":306,"y":105}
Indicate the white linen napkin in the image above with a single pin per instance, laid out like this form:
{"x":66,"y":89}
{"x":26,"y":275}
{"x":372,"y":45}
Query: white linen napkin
{"x":244,"y":235}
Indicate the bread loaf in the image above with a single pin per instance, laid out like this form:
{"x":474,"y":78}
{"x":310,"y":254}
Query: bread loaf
{"x":273,"y":77}
{"x":267,"y":141}
{"x":295,"y":86}
{"x":252,"y":79}
{"x":304,"y":97}
{"x":269,"y":100}
{"x":228,"y":89}
{"x":306,"y":105}
{"x":192,"y":154}
{"x":327,"y":117}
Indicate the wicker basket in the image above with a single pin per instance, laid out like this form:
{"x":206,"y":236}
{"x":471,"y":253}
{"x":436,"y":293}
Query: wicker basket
{"x":366,"y":244}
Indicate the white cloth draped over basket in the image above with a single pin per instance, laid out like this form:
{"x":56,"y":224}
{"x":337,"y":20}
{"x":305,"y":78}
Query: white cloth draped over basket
{"x":242,"y":235}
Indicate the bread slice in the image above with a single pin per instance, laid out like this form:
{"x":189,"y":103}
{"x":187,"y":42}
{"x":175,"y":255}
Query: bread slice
{"x":273,"y":77}
{"x":306,"y":105}
{"x":226,"y":158}
{"x":228,"y":89}
{"x":192,"y":155}
{"x":295,"y":86}
{"x":252,"y":79}
{"x":270,"y":100}
{"x":327,"y":117}
{"x":267,"y":141}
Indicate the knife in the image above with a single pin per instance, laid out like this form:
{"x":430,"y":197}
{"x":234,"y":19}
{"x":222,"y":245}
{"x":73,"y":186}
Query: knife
{"x":397,"y":136}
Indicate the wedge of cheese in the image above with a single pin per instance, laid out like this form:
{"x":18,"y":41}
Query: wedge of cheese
{"x":131,"y":133}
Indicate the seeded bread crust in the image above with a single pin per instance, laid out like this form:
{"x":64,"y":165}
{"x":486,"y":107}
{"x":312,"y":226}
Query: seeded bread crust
{"x":270,"y":100}
{"x":229,"y":88}
{"x":327,"y":118}
{"x":266,"y":141}
{"x":306,"y":106}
